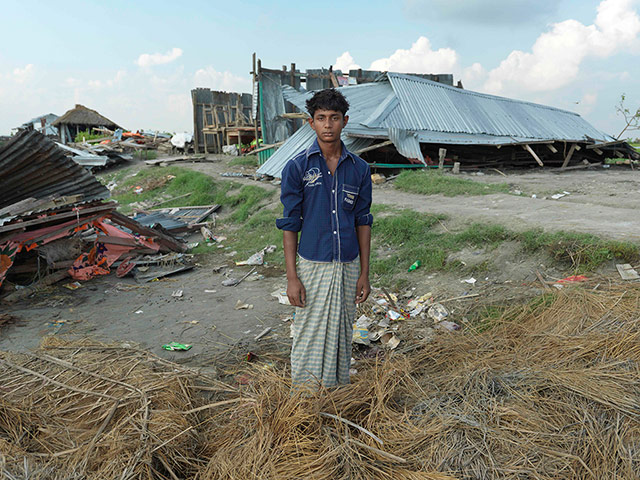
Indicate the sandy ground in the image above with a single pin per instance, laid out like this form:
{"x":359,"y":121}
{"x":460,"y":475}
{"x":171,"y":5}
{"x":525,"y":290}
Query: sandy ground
{"x":602,"y":202}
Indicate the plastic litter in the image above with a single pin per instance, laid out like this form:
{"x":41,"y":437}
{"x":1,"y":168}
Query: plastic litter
{"x":172,"y":346}
{"x":72,"y":285}
{"x":414,"y":265}
{"x":240,"y":305}
{"x":446,"y":325}
{"x":437,"y":312}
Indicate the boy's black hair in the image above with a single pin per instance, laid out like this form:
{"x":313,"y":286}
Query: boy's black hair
{"x":328,"y":99}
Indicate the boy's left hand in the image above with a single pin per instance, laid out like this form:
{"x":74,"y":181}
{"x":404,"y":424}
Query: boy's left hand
{"x":363,"y":289}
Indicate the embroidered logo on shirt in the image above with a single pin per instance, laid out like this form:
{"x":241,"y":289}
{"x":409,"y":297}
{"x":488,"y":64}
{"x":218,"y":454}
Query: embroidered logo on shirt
{"x":311,"y":177}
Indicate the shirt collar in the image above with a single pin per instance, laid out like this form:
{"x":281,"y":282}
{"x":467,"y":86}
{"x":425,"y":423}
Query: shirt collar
{"x":315,"y":149}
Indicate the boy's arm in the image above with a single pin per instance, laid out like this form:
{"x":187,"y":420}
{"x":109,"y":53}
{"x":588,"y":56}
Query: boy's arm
{"x":295,"y":290}
{"x":364,"y":219}
{"x":291,"y":223}
{"x":363,"y":287}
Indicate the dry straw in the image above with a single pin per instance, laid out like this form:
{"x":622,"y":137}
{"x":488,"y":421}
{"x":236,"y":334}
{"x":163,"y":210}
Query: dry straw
{"x":551,"y":391}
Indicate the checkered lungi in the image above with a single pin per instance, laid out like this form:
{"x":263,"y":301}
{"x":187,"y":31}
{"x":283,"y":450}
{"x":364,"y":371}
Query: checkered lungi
{"x":323,"y":329}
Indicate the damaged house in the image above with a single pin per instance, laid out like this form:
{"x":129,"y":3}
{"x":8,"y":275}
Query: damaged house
{"x":81,"y":119}
{"x":403,"y":120}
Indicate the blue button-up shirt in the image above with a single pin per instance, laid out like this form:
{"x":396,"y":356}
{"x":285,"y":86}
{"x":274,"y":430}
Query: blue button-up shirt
{"x":326,"y":208}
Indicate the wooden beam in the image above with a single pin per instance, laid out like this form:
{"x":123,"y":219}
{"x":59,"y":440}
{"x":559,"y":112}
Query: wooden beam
{"x":373,"y":147}
{"x":552,"y":148}
{"x":442,"y":152}
{"x":533,"y":154}
{"x":569,"y":155}
{"x":598,"y":151}
{"x":169,"y":243}
{"x":59,"y":216}
{"x":577,"y":167}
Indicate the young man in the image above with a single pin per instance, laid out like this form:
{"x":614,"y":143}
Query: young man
{"x":326,"y":194}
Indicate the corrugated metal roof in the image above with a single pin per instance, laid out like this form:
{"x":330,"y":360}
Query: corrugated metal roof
{"x":432,"y":106}
{"x":32,"y":166}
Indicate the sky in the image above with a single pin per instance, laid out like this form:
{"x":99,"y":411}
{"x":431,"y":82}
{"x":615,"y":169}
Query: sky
{"x":136,"y":62}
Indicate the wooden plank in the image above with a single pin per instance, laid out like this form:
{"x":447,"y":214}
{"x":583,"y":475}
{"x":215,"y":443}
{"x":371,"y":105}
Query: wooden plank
{"x":552,"y":148}
{"x":568,"y":157}
{"x":374,"y":147}
{"x":442,"y":152}
{"x":169,"y":243}
{"x":533,"y":154}
{"x":52,"y":218}
{"x":207,"y":213}
{"x":110,"y":240}
{"x":598,"y":151}
{"x":577,"y":167}
{"x":605,"y":144}
{"x":627,"y":272}
{"x":334,"y":80}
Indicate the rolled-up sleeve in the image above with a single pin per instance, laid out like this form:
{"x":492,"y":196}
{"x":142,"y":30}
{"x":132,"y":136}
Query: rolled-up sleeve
{"x":363,"y":204}
{"x":291,"y":192}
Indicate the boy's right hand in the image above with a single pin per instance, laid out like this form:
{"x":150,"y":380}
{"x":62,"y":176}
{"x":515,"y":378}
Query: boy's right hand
{"x":296,"y":292}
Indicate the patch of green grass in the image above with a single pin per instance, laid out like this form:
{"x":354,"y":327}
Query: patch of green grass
{"x":201,"y":189}
{"x":584,"y":252}
{"x":245,"y":161}
{"x":403,"y":237}
{"x":257,"y":232}
{"x":430,"y":182}
{"x":87,"y":135}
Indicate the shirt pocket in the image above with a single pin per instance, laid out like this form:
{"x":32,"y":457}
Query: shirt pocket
{"x":349,"y":197}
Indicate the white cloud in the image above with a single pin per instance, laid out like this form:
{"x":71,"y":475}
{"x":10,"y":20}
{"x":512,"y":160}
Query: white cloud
{"x":22,"y":75}
{"x":420,"y":58}
{"x":345,"y":63}
{"x":556,"y":55}
{"x":151,"y":59}
{"x":211,"y":78}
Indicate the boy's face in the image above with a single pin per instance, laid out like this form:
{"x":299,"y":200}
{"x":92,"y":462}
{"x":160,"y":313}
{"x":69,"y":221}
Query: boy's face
{"x":328,"y":125}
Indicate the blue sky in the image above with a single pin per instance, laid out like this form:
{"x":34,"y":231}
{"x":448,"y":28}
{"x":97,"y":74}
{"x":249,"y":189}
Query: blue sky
{"x":136,"y":62}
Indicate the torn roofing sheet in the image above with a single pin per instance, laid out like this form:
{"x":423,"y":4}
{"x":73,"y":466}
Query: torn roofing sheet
{"x":411,"y":110}
{"x":32,"y":166}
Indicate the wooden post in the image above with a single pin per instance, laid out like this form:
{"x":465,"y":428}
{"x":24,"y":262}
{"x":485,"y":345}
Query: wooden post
{"x":533,"y":154}
{"x":568,"y":157}
{"x":258,"y":105}
{"x":441,"y":154}
{"x":196,"y":136}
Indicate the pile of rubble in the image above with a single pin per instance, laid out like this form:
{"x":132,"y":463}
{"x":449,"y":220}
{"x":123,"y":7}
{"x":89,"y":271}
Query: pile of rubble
{"x":56,"y":220}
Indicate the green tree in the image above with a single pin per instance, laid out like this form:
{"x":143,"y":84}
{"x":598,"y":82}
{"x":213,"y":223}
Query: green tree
{"x":632,"y":119}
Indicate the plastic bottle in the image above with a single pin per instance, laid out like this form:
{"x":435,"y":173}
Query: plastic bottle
{"x":415,"y":265}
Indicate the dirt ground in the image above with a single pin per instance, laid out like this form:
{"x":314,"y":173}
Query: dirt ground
{"x":601,"y":202}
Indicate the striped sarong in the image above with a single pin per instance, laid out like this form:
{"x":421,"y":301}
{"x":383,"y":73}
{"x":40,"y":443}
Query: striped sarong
{"x":322,"y":330}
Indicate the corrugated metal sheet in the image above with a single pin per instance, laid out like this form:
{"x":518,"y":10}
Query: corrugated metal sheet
{"x":406,"y":142}
{"x":431,"y":106}
{"x":32,"y":166}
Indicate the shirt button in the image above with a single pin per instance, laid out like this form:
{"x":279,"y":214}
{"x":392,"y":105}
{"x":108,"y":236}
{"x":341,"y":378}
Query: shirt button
{"x":335,"y":232}
{"x":334,"y":211}
{"x":333,"y":191}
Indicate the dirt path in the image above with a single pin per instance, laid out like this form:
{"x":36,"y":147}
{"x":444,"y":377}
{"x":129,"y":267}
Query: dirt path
{"x":603,"y":203}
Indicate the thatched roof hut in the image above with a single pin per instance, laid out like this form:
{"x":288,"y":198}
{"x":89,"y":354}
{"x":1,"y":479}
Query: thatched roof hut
{"x":81,"y":118}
